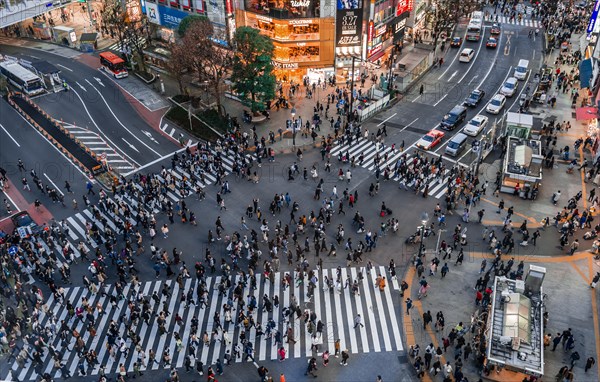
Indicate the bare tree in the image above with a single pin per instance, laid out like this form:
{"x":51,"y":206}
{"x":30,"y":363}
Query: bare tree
{"x":210,"y":61}
{"x":131,"y":32}
{"x":180,"y":60}
{"x":448,"y":13}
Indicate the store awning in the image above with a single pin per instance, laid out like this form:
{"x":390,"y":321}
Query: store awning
{"x":585,"y":113}
{"x":585,"y":73}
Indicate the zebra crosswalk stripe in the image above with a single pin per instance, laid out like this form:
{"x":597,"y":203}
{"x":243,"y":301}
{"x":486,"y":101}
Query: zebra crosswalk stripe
{"x":379,"y":318}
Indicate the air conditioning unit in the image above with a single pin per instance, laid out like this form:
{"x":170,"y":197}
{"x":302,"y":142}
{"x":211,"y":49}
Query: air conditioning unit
{"x":520,"y":286}
{"x":505,"y":340}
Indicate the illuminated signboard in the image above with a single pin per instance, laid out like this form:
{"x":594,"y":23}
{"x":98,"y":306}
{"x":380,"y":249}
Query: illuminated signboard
{"x":348,"y":23}
{"x":593,"y":18}
{"x":404,"y":6}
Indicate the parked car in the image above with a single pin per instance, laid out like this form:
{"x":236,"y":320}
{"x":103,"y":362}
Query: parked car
{"x":430,"y":140}
{"x":496,"y":104}
{"x":476,"y":125}
{"x":474,"y":98}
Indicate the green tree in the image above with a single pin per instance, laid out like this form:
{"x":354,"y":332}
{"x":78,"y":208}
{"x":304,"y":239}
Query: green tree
{"x":252,"y":73}
{"x":187,"y":21}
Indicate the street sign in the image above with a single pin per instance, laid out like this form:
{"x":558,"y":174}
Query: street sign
{"x":13,"y":250}
{"x":23,"y":232}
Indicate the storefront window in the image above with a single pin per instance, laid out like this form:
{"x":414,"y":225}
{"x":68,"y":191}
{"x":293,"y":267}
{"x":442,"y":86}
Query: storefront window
{"x":284,"y":9}
{"x":298,"y":29}
{"x":302,"y":53}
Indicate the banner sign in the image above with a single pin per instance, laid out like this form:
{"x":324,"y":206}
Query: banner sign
{"x":348,"y":28}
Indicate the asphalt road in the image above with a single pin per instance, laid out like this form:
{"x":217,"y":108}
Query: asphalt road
{"x":406,"y":121}
{"x":451,"y":84}
{"x":96,"y":104}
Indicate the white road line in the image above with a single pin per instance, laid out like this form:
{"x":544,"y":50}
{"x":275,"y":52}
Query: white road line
{"x":387,"y":119}
{"x":372,"y":322}
{"x":97,"y":127}
{"x":410,"y":124}
{"x":349,"y":316}
{"x":414,"y":100}
{"x":119,"y":121}
{"x":364,"y":336}
{"x":64,"y":67}
{"x":155,"y":161}
{"x":392,"y":313}
{"x":452,"y":76}
{"x":55,"y":186}
{"x":56,"y":148}
{"x":10,"y":136}
{"x":440,"y":100}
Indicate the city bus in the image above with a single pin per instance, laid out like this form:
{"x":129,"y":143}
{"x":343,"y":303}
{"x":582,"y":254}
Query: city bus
{"x":114,"y":64}
{"x":475,"y":26}
{"x":477,"y":16}
{"x":21,"y":78}
{"x":474,"y":30}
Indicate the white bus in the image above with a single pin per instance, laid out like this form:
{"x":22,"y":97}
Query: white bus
{"x":474,"y":30}
{"x":21,"y":78}
{"x":477,"y":16}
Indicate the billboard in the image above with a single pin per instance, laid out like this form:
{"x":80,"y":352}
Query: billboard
{"x":404,"y":6}
{"x":593,"y":18}
{"x":348,"y":23}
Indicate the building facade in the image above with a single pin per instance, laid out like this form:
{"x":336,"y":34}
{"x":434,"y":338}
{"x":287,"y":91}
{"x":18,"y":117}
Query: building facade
{"x":302,"y":32}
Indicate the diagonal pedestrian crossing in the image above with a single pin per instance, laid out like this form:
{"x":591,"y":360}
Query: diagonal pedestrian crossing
{"x":75,"y":228}
{"x":335,"y":307}
{"x":365,"y":152}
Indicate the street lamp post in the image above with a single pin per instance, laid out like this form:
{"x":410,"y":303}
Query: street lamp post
{"x":293,"y":126}
{"x":390,"y":82}
{"x":351,"y":89}
{"x":424,"y":220}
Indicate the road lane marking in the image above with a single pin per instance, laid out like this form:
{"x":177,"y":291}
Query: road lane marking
{"x":405,"y":127}
{"x":452,"y":76}
{"x":114,"y":146}
{"x":56,"y":148}
{"x":10,"y":136}
{"x":387,"y":119}
{"x":440,"y":100}
{"x":121,"y":123}
{"x":55,"y":186}
{"x":64,"y":67}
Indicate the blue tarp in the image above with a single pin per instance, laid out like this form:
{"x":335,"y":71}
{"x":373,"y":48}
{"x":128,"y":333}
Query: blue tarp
{"x":585,"y":73}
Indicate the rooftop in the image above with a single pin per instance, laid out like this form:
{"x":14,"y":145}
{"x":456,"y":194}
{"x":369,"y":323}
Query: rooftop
{"x":515,"y":338}
{"x":524,"y":159}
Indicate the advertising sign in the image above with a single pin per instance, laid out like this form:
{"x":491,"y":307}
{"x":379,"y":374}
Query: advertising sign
{"x":170,"y":17}
{"x":348,"y":26}
{"x":404,"y":6}
{"x":152,"y":13}
{"x":215,"y":10}
{"x":593,"y":17}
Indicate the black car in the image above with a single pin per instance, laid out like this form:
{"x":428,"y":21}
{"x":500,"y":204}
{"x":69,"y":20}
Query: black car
{"x":24,"y":220}
{"x":474,"y":98}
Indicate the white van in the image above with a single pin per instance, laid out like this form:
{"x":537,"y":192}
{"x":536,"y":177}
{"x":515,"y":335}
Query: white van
{"x":521,"y":70}
{"x":466,"y":55}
